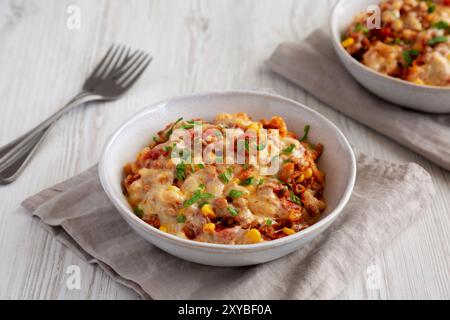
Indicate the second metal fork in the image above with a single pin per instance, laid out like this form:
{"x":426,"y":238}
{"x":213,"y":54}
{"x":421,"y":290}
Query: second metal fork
{"x":113,"y":76}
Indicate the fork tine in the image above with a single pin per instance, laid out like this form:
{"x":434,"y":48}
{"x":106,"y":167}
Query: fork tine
{"x":101,"y":63}
{"x":133,"y":77}
{"x":134,"y":58}
{"x":132,"y":68}
{"x":122,"y":50}
{"x":107,"y":65}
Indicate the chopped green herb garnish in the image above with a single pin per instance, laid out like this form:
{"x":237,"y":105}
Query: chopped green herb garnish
{"x":269,"y":222}
{"x":247,"y":182}
{"x":360,"y":27}
{"x":180,"y":171}
{"x":169,"y":133}
{"x":431,"y":6}
{"x":139,"y":212}
{"x":247,"y":145}
{"x":167,"y":148}
{"x":437,"y":40}
{"x":181,"y":218}
{"x":226,"y":176}
{"x":155,"y":139}
{"x":289,"y":149}
{"x":305,"y":132}
{"x":190,"y":124}
{"x":233,"y":211}
{"x":235,"y":193}
{"x":441,"y":25}
{"x":260,"y":147}
{"x":261,"y":181}
{"x":201,"y":166}
{"x":197,"y":195}
{"x":409,"y":56}
{"x":295,"y":199}
{"x":202,"y":204}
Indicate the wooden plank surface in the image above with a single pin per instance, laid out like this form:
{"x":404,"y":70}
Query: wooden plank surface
{"x":197,"y":46}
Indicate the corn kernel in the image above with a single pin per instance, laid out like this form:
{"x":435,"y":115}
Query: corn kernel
{"x":163,"y":228}
{"x":255,"y":126}
{"x":301,"y":178}
{"x":419,"y":81}
{"x":250,"y":189}
{"x":253,"y":236}
{"x":288,"y":231}
{"x":173,"y":188}
{"x":209,"y":227}
{"x":308,"y":173}
{"x":208,"y":211}
{"x":236,"y":181}
{"x":397,"y":25}
{"x":348,"y":42}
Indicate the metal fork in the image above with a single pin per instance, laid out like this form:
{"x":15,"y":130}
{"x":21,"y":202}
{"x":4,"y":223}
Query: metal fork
{"x":113,"y":76}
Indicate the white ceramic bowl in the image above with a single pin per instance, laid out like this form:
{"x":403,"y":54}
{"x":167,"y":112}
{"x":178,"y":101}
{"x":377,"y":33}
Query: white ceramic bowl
{"x":419,"y":97}
{"x":338,"y":162}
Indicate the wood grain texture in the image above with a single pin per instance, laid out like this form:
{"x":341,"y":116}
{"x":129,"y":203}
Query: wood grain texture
{"x":197,"y":46}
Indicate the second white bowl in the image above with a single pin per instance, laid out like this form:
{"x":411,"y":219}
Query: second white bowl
{"x":419,"y":97}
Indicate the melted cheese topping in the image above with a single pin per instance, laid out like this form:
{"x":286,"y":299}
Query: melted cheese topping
{"x":219,"y":203}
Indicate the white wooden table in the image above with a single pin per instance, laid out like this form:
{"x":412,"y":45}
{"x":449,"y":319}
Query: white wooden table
{"x":197,"y":46}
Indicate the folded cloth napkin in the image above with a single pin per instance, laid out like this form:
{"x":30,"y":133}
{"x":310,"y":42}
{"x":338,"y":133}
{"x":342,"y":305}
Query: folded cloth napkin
{"x":387,"y":198}
{"x":313,"y":65}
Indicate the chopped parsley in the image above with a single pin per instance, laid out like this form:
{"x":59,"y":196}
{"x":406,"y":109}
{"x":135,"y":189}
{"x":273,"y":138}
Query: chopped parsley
{"x":289,"y":149}
{"x":409,"y":56}
{"x":180,"y":171}
{"x":233,"y":211}
{"x":190,"y":124}
{"x":248,"y":181}
{"x":295,"y":199}
{"x":269,"y":222}
{"x":247,"y":145}
{"x":235,"y":194}
{"x":196,"y":196}
{"x":437,"y":40}
{"x":169,"y":133}
{"x":226,"y":176}
{"x":360,"y":27}
{"x":181,"y":218}
{"x":139,"y":212}
{"x":260,"y":147}
{"x":441,"y":25}
{"x":201,"y":166}
{"x":431,"y":6}
{"x":305,"y":133}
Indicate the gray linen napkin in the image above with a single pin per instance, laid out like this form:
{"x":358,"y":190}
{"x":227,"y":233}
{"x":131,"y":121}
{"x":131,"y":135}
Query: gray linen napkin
{"x":387,"y":198}
{"x":313,"y":65}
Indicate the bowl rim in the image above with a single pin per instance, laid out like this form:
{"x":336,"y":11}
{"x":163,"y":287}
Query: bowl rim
{"x":225,"y":248}
{"x":337,"y":45}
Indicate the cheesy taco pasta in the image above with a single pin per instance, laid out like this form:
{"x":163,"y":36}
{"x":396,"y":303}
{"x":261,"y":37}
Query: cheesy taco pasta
{"x":226,"y":203}
{"x":413,"y":43}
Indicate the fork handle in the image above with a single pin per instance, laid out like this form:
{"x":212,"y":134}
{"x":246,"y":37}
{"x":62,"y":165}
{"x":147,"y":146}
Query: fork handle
{"x":16,"y":154}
